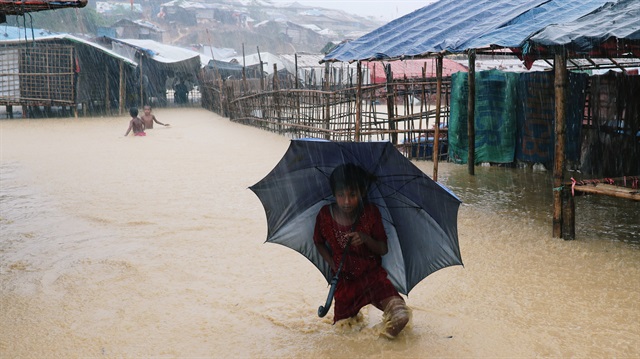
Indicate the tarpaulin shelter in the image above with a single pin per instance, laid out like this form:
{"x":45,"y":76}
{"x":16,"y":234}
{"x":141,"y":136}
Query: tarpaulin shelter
{"x":161,"y":67}
{"x":612,"y":31}
{"x":43,"y":68}
{"x":456,"y":26}
{"x":537,"y":29}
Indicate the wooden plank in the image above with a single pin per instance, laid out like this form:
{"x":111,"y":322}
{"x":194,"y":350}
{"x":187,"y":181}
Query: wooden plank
{"x":610,"y":190}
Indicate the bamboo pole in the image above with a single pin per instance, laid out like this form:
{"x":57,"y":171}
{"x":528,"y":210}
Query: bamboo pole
{"x":297,"y":98}
{"x":471,"y":114}
{"x":610,"y":190}
{"x":436,"y":136}
{"x":244,"y":71}
{"x":327,"y":107}
{"x":358,"y":102}
{"x":261,"y":70}
{"x":390,"y":101}
{"x":276,"y":98}
{"x":560,"y":83}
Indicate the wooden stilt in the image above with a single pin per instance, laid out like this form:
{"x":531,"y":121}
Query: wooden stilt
{"x":141,"y":84}
{"x":121,"y":101}
{"x":471,"y":113}
{"x":358,"y":103}
{"x":560,"y":82}
{"x":106,"y":90}
{"x":568,"y":215}
{"x":436,"y":136}
{"x":390,"y":104}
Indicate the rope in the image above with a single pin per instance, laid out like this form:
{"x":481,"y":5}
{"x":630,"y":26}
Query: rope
{"x":634,"y":181}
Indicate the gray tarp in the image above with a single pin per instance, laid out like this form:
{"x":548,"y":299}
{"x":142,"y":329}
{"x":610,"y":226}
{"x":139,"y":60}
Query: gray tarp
{"x":458,"y":25}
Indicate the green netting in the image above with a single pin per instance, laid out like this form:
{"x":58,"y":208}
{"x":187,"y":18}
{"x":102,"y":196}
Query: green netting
{"x":495,"y":117}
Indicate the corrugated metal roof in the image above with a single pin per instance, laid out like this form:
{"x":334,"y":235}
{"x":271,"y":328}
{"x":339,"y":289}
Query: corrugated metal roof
{"x":15,"y":35}
{"x":454,"y":26}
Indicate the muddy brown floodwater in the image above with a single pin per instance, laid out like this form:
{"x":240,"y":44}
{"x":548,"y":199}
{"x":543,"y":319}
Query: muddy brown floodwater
{"x":154,"y":247}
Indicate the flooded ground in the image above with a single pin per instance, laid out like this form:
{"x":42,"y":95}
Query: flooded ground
{"x":153,"y":247}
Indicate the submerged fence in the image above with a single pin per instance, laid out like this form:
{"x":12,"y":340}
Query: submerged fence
{"x":402,"y":112}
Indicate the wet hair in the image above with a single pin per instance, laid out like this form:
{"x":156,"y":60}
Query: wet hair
{"x":351,"y":176}
{"x":133,"y":111}
{"x":147,"y":107}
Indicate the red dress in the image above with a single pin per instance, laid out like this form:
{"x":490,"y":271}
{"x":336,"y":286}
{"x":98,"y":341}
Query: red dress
{"x":362,"y":279}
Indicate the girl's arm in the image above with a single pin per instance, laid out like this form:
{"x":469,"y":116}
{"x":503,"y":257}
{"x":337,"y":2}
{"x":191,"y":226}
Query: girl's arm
{"x":129,"y":129}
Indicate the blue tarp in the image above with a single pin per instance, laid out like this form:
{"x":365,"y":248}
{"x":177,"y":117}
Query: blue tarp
{"x":456,"y":26}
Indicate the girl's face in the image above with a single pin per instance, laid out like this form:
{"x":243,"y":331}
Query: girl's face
{"x":348,"y":199}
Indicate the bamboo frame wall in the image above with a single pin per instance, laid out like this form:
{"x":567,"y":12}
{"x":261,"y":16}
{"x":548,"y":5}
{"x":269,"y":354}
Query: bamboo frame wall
{"x":333,"y":115}
{"x":37,"y":75}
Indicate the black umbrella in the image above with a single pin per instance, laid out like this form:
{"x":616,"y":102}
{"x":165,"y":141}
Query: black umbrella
{"x":419,"y":214}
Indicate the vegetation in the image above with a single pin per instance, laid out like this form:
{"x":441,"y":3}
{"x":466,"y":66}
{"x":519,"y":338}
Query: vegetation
{"x":85,"y":21}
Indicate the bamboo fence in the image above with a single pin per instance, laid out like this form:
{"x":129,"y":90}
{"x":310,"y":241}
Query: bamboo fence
{"x":402,"y":111}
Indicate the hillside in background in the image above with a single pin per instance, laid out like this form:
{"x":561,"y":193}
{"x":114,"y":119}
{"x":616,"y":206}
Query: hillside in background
{"x":223,"y":24}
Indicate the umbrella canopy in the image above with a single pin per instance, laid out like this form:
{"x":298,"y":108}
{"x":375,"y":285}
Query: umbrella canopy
{"x":419,"y":214}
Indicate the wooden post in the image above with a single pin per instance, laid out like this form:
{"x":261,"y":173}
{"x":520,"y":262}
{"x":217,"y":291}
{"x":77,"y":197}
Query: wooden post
{"x":390,"y":104}
{"x":327,"y":108}
{"x":141,"y":84}
{"x":358,"y":102}
{"x":122,"y":89}
{"x":261,"y":70}
{"x":560,"y":83}
{"x":297,"y":97}
{"x":296,"y":75}
{"x":106,"y":89}
{"x":471,"y":113}
{"x":436,"y":133}
{"x":568,"y":214}
{"x":244,"y":71}
{"x":276,"y":98}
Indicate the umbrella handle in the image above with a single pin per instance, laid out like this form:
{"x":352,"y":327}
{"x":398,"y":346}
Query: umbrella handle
{"x":324,"y":309}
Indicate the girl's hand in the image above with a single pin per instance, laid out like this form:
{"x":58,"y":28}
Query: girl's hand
{"x":358,"y":238}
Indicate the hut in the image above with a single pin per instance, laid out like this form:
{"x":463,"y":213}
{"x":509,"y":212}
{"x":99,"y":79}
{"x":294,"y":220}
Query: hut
{"x":555,"y":31}
{"x":165,"y":73}
{"x":42,"y":70}
{"x":137,"y":29}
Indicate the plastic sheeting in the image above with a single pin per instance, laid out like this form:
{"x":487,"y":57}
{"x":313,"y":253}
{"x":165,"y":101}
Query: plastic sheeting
{"x":495,"y":117}
{"x":455,"y":26}
{"x":514,"y":117}
{"x":613,"y":21}
{"x":536,"y":117}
